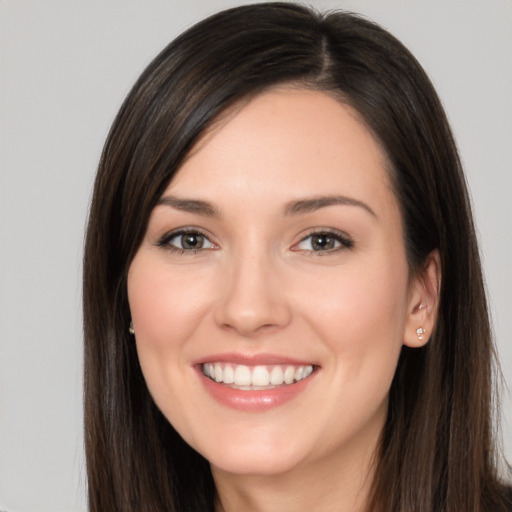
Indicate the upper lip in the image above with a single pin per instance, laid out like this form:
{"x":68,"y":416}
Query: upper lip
{"x":251,"y":360}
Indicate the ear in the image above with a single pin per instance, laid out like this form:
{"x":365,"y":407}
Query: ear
{"x":423,"y":303}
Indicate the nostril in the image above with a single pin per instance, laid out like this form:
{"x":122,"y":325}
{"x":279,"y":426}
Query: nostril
{"x":250,"y":301}
{"x":249,"y":327}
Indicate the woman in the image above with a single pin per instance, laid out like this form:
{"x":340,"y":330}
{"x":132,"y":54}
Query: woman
{"x":283,"y":298}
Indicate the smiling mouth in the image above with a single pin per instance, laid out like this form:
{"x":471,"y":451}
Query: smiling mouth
{"x":252,"y":378}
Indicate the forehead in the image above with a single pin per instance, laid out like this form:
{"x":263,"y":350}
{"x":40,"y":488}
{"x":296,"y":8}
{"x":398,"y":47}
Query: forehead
{"x":304,"y":139}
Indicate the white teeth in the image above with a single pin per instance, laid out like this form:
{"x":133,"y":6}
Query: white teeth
{"x":218,"y":372}
{"x":243,"y":375}
{"x":289,"y":374}
{"x":260,"y":376}
{"x":228,"y":375}
{"x":256,"y":377}
{"x":276,"y":376}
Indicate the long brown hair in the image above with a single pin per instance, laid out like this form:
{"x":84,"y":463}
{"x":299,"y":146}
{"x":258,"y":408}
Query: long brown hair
{"x":436,"y":452}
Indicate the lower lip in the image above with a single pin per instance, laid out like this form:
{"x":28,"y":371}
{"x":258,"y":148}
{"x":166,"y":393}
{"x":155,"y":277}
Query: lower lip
{"x":254,"y":400}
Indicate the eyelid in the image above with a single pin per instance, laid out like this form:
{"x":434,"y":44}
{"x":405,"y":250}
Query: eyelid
{"x":164,"y":241}
{"x":345,"y":241}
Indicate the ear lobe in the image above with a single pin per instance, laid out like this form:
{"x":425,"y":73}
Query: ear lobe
{"x":423,"y":303}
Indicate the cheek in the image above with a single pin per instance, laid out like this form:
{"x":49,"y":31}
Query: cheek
{"x":361,"y":298}
{"x":165,"y":306}
{"x":360,"y":314}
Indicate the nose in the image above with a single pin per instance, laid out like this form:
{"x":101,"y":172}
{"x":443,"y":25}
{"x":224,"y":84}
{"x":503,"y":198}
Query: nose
{"x":252,"y":299}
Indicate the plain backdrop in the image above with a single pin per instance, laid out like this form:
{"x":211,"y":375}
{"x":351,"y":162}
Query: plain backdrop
{"x":65,"y":67}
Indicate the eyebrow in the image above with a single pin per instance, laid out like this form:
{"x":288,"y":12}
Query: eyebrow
{"x":189,"y":205}
{"x":297,"y":207}
{"x":315,"y":203}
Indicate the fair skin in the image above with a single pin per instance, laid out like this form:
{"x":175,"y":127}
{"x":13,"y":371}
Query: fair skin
{"x":260,"y":272}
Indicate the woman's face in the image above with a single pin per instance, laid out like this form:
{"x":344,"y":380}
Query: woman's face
{"x":275,"y":264}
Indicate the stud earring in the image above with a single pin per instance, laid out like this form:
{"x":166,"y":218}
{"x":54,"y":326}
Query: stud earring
{"x":420,"y":332}
{"x":131,"y":329}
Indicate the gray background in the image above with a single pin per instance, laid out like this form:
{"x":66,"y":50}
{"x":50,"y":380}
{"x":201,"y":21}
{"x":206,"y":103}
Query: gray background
{"x":65,"y":68}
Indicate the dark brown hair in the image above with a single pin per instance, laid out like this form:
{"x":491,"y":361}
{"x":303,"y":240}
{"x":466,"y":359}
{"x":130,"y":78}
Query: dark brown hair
{"x":436,"y":451}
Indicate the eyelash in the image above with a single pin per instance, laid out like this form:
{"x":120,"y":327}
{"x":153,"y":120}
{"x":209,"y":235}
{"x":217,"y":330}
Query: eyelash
{"x":165,"y":241}
{"x":344,"y":241}
{"x":336,"y":236}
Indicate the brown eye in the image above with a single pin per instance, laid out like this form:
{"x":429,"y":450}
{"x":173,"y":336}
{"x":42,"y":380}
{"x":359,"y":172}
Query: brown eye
{"x":324,"y":242}
{"x":185,"y":241}
{"x":191,"y":241}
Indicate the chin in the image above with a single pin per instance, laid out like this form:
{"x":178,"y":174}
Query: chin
{"x":254,"y":458}
{"x":254,"y":466}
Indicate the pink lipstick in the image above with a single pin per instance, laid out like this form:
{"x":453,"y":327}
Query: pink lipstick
{"x":254,"y":383}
